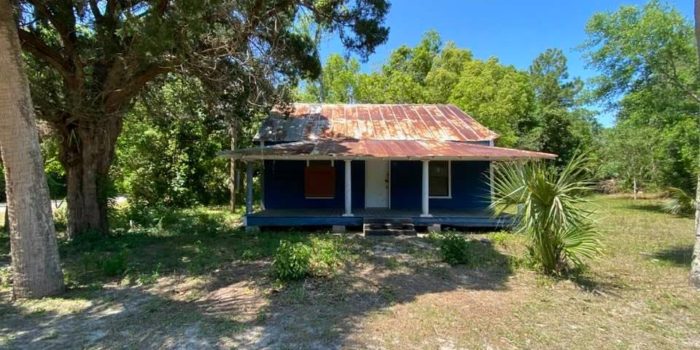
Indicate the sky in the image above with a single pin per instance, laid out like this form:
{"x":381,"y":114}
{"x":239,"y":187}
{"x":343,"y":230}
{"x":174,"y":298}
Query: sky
{"x":514,"y":31}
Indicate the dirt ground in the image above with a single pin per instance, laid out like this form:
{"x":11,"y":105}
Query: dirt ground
{"x":394,"y":293}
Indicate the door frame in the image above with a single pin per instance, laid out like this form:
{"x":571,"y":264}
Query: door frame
{"x":388,"y":182}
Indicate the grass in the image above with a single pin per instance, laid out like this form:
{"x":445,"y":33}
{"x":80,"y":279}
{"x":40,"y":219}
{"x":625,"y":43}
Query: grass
{"x":193,"y":278}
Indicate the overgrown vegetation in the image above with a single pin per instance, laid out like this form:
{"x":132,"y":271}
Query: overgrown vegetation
{"x":317,"y":258}
{"x":194,"y":266}
{"x":679,"y":202}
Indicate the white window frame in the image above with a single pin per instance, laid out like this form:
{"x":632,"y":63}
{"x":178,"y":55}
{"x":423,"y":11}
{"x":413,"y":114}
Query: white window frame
{"x":449,"y":182}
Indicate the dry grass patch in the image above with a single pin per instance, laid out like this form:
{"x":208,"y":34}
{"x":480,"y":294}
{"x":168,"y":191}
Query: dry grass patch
{"x":198,"y":286}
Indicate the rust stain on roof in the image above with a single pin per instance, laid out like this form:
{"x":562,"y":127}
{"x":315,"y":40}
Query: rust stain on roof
{"x":372,"y":122}
{"x":388,"y":149}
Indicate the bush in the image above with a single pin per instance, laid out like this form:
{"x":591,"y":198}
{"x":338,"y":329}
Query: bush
{"x":679,"y":202}
{"x":319,"y":258}
{"x":292,"y":261}
{"x":60,"y":217}
{"x":114,"y":265}
{"x":454,"y":249}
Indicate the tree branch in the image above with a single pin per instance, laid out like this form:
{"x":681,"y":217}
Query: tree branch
{"x":116,"y":98}
{"x":95,"y":10}
{"x":44,"y":52}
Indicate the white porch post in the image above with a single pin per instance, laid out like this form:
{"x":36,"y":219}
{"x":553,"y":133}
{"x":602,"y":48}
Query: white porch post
{"x":426,"y":190}
{"x":249,"y":187}
{"x":491,"y":176}
{"x":348,"y":188}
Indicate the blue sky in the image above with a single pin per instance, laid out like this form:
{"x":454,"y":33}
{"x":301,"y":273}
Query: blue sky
{"x":515,"y":31}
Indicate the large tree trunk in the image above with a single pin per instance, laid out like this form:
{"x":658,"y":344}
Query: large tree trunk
{"x":6,"y":220}
{"x":87,"y":152}
{"x":35,"y":262}
{"x":695,"y":265}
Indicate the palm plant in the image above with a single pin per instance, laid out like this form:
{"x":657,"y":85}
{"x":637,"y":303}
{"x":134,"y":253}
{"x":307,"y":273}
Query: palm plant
{"x":550,"y":211}
{"x":679,"y":202}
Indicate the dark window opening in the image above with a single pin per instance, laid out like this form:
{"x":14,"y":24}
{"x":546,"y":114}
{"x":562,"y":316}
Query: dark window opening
{"x":439,"y":179}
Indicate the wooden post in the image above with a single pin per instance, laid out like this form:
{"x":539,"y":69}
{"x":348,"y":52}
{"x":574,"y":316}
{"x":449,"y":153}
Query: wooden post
{"x":491,"y":176}
{"x":426,"y":190}
{"x":348,"y":188}
{"x":232,"y":168}
{"x":249,"y":188}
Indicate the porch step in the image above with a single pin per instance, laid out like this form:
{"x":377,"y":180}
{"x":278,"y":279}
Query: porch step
{"x":388,"y":227}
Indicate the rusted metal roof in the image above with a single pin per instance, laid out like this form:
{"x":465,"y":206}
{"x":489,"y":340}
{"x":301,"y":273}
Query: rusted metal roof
{"x":384,"y":149}
{"x":372,"y":122}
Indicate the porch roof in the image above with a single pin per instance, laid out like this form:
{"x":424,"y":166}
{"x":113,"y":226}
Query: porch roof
{"x":383,"y":149}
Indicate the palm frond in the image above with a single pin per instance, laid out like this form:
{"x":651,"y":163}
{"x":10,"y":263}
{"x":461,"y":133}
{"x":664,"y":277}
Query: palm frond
{"x":679,"y":202}
{"x":550,"y":209}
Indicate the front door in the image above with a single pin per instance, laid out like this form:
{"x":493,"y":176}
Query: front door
{"x":377,"y":184}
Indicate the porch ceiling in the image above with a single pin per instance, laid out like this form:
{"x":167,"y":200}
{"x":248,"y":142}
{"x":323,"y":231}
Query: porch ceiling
{"x":383,"y":149}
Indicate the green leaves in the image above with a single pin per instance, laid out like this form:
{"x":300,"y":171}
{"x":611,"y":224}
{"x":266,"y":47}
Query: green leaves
{"x":320,"y":257}
{"x":647,"y":61}
{"x":636,"y":45}
{"x":549,"y":210}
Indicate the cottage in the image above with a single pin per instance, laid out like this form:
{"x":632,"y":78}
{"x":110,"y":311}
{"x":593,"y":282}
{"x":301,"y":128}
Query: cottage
{"x":383,"y":167}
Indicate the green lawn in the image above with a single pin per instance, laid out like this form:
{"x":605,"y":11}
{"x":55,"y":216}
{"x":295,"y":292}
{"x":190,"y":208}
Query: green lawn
{"x":193,"y":279}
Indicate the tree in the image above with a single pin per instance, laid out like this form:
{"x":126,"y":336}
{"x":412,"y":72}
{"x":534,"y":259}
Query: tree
{"x":35,"y":262}
{"x":339,"y":82}
{"x":647,"y":59}
{"x":166,"y":154}
{"x":445,"y":73}
{"x":550,"y":211}
{"x":695,"y":265}
{"x":626,"y":155}
{"x":560,"y":125}
{"x":402,"y":79}
{"x":498,"y":96}
{"x":99,"y":55}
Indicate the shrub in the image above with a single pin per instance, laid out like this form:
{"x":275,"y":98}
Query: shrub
{"x":292,"y":260}
{"x":501,"y":237}
{"x":319,"y":258}
{"x":679,"y":202}
{"x":325,"y":257}
{"x":454,"y":249}
{"x":114,"y":265}
{"x":60,"y":217}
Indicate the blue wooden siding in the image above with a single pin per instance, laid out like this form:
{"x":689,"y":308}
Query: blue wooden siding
{"x":470,"y":186}
{"x":284,"y":186}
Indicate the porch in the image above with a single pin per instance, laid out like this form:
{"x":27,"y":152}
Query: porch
{"x":335,"y":217}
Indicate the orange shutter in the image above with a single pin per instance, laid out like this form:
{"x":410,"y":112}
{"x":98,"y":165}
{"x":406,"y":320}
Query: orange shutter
{"x":319,"y":181}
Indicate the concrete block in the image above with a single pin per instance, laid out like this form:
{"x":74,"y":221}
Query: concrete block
{"x":435,"y":228}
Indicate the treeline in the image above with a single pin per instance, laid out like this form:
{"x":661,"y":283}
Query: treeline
{"x":539,"y":109}
{"x":645,"y":57}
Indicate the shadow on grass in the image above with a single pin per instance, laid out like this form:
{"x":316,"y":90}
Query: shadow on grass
{"x":112,"y":318}
{"x":678,"y":256}
{"x":642,"y":205}
{"x":328,"y":313}
{"x":315,"y":313}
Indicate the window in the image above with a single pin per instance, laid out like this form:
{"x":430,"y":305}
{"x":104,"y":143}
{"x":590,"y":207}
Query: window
{"x":319,"y":180}
{"x":439,"y":179}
